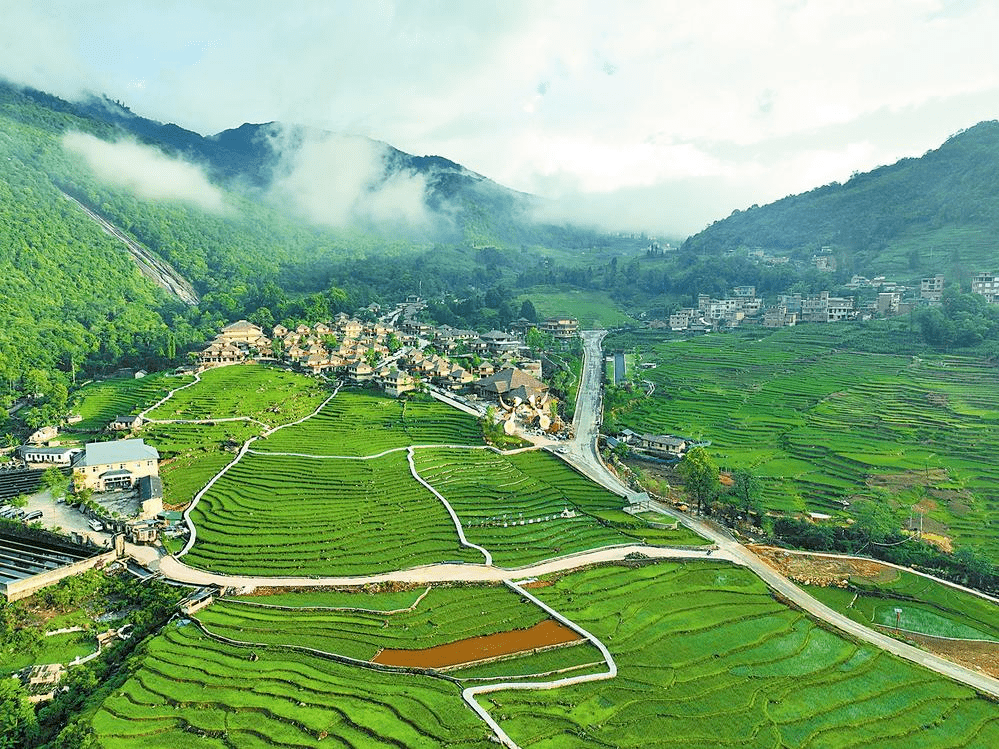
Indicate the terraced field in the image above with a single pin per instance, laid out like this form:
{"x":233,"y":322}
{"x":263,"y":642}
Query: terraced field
{"x":822,"y":424}
{"x":513,"y":505}
{"x":99,"y":402}
{"x":708,"y":658}
{"x":270,"y":395}
{"x":928,"y":607}
{"x":444,"y":615}
{"x":364,"y":423}
{"x":275,"y":515}
{"x":193,"y":691}
{"x":190,"y":454}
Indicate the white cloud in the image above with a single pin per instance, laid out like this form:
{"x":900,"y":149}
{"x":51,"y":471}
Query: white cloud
{"x":589,"y":93}
{"x":341,"y":180}
{"x":145,"y":171}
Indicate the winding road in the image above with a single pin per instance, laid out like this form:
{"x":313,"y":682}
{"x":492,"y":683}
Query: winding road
{"x":582,"y":452}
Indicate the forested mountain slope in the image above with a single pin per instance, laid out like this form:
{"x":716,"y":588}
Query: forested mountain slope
{"x":937,"y":213}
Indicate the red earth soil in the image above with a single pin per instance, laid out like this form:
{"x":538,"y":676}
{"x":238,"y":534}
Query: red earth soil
{"x":543,"y":634}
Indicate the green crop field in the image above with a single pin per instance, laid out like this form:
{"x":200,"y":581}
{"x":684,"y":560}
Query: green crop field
{"x":193,"y":691}
{"x":268,"y":394}
{"x":278,"y":515}
{"x":512,"y":505}
{"x":190,"y":454}
{"x":593,"y":309}
{"x":443,"y":616}
{"x":928,"y":607}
{"x":707,"y":658}
{"x":821,"y":424}
{"x":366,"y":423}
{"x":100,"y":402}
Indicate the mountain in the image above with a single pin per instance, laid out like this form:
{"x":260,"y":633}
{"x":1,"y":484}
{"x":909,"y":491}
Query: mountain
{"x":935,"y":214}
{"x":127,"y":241}
{"x":463,"y":205}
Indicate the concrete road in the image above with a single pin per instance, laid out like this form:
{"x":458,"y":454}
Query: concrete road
{"x":432,"y":573}
{"x":584,"y":455}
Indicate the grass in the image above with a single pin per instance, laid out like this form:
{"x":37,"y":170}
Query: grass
{"x":277,"y":515}
{"x":55,"y":649}
{"x":191,"y":690}
{"x":593,"y":309}
{"x":708,"y":658}
{"x":928,"y":607}
{"x":357,"y":423}
{"x":100,"y":402}
{"x":268,"y":394}
{"x":513,"y":505}
{"x":822,"y":423}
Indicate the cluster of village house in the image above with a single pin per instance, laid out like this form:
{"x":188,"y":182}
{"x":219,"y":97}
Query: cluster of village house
{"x":743,"y":307}
{"x":396,"y":359}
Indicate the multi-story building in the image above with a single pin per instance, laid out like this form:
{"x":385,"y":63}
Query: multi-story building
{"x":986,"y":284}
{"x":931,"y":288}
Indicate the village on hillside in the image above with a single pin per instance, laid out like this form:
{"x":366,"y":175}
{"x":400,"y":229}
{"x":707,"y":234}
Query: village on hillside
{"x":743,"y":307}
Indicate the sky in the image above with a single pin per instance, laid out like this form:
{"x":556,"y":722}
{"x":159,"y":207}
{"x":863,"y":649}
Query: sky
{"x":661,"y":116}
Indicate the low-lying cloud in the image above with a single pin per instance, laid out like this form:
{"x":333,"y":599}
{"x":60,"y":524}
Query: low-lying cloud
{"x":344,"y":180}
{"x":145,"y":171}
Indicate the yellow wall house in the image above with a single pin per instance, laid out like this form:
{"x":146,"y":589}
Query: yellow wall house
{"x":104,"y":466}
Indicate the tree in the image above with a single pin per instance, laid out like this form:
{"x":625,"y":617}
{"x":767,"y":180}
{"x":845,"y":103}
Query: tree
{"x":18,"y":724}
{"x":535,"y":340}
{"x":700,"y":476}
{"x":745,"y":488}
{"x":55,"y":482}
{"x":528,"y":312}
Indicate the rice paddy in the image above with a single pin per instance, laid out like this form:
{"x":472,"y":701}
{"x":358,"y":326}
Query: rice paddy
{"x":822,"y":424}
{"x":708,"y":658}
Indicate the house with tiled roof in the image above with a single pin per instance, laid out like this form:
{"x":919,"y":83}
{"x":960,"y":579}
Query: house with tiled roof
{"x":103,"y":466}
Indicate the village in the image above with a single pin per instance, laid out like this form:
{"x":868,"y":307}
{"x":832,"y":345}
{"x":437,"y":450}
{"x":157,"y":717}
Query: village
{"x":742,"y":307}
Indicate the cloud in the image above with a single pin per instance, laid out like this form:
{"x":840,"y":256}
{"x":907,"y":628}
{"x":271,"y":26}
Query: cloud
{"x":677,"y":92}
{"x":145,"y":171}
{"x":343,"y":180}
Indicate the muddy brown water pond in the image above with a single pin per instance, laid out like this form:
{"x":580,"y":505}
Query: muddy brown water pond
{"x":541,"y":635}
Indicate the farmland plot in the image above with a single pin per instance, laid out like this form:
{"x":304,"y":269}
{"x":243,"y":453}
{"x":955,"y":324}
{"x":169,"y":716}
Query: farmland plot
{"x":357,"y":423}
{"x":522,"y":508}
{"x":193,"y":691}
{"x":822,"y":425}
{"x":708,"y":658}
{"x":276,"y":515}
{"x":270,"y":395}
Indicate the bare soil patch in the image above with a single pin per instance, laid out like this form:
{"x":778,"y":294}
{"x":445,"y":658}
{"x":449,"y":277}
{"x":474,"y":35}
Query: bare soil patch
{"x":545,"y":634}
{"x":815,"y":570}
{"x":980,"y":656}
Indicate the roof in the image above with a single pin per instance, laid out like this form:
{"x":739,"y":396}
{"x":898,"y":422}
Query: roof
{"x":512,"y":380}
{"x":241,"y":326}
{"x":150,"y":487}
{"x":24,"y":449}
{"x":119,"y":451}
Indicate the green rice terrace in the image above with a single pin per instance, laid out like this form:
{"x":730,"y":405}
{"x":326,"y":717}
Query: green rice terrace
{"x":440,"y":617}
{"x":529,"y":506}
{"x":267,"y":394}
{"x":281,"y":515}
{"x":360,"y":423}
{"x":100,"y":402}
{"x":707,"y":657}
{"x":195,"y":691}
{"x":822,"y":424}
{"x":927,"y":607}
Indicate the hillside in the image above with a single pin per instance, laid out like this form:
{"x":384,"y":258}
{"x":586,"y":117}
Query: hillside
{"x":937,"y":213}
